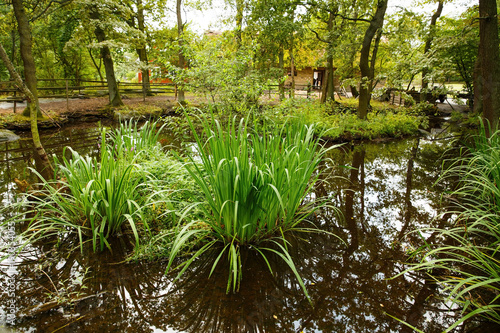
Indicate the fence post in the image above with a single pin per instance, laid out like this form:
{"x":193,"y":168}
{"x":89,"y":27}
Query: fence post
{"x":175,"y":91}
{"x":15,"y":103}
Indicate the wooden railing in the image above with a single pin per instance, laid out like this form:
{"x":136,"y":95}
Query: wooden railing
{"x":64,"y":88}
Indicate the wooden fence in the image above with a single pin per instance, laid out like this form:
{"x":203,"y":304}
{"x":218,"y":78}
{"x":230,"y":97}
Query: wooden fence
{"x":66,"y":89}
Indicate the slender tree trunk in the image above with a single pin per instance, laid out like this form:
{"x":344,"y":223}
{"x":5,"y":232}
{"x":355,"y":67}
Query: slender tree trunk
{"x":364,"y":62}
{"x":13,"y":49}
{"x":23,"y":27}
{"x":281,"y":65}
{"x":47,"y":171}
{"x":141,"y":51}
{"x":329,"y":89}
{"x":373,"y":60}
{"x":428,"y":42}
{"x":143,"y":58}
{"x":240,"y":4}
{"x":180,"y":34}
{"x":114,"y":94}
{"x":292,"y":69}
{"x":487,"y":96}
{"x":328,"y":83}
{"x":97,"y":67}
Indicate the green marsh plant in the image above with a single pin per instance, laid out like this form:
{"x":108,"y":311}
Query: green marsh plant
{"x":91,"y":196}
{"x":102,"y":194}
{"x":255,"y":187}
{"x":469,"y":254}
{"x":130,"y":139}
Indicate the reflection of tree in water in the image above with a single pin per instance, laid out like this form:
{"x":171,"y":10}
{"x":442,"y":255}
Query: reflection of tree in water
{"x":379,"y":197}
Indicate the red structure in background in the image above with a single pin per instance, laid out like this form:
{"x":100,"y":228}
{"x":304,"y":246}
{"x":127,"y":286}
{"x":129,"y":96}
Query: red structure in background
{"x":156,"y":75}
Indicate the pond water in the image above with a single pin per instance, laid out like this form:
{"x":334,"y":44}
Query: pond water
{"x":383,"y":190}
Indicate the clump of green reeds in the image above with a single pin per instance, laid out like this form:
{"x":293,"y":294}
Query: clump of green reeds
{"x":469,"y":255}
{"x":92,"y":196}
{"x":129,"y":138}
{"x":255,"y":187}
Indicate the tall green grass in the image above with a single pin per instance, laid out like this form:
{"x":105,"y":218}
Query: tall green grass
{"x":101,"y":192}
{"x":92,"y":196}
{"x":130,"y":139}
{"x":469,"y":254}
{"x":255,"y":189}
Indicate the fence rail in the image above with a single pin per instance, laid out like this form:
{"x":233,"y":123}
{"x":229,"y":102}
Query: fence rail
{"x":64,"y":88}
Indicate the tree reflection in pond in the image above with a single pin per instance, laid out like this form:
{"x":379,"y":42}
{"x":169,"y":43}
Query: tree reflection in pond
{"x":384,"y":191}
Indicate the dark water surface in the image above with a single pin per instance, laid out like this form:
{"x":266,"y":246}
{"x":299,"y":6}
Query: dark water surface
{"x":383,"y":190}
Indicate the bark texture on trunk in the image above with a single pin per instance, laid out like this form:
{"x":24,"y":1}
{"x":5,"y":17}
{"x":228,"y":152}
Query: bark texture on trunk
{"x":292,"y":69}
{"x":364,"y":62}
{"x":114,"y":94}
{"x":239,"y":21}
{"x":47,"y":171}
{"x":141,"y":51}
{"x":180,"y":34}
{"x":428,"y":42}
{"x":141,"y":48}
{"x":143,"y":58}
{"x":281,"y":65}
{"x":329,"y":89}
{"x":23,"y":27}
{"x":487,"y":80}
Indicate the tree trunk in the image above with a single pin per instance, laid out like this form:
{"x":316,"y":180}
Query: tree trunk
{"x":281,"y":65}
{"x":292,"y":69}
{"x":114,"y":94}
{"x":47,"y":171}
{"x":97,"y":67}
{"x":239,"y":21}
{"x":428,"y":42}
{"x":328,"y":84}
{"x":141,"y":51}
{"x":364,"y":62}
{"x":180,"y":34}
{"x":487,"y":88}
{"x":23,"y":27}
{"x":373,"y":60}
{"x":143,"y":58}
{"x":13,"y":49}
{"x":328,"y":88}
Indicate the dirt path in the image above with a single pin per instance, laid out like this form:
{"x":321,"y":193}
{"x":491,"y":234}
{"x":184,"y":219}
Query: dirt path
{"x":90,"y":105}
{"x":82,"y":107}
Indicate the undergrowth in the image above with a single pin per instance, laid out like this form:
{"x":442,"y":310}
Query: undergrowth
{"x":339,"y":122}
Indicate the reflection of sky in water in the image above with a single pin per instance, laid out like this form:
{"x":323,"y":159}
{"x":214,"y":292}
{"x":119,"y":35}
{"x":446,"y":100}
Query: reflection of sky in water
{"x":349,"y":287}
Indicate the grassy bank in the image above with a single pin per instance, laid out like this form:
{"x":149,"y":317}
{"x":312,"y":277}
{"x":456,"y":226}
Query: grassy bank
{"x":339,"y":121}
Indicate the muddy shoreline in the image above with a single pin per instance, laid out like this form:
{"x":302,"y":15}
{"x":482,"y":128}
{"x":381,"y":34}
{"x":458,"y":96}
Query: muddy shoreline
{"x":59,"y":113}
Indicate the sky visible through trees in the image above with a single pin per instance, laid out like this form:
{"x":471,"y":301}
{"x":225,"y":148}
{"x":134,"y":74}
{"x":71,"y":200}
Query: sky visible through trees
{"x":213,"y":17}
